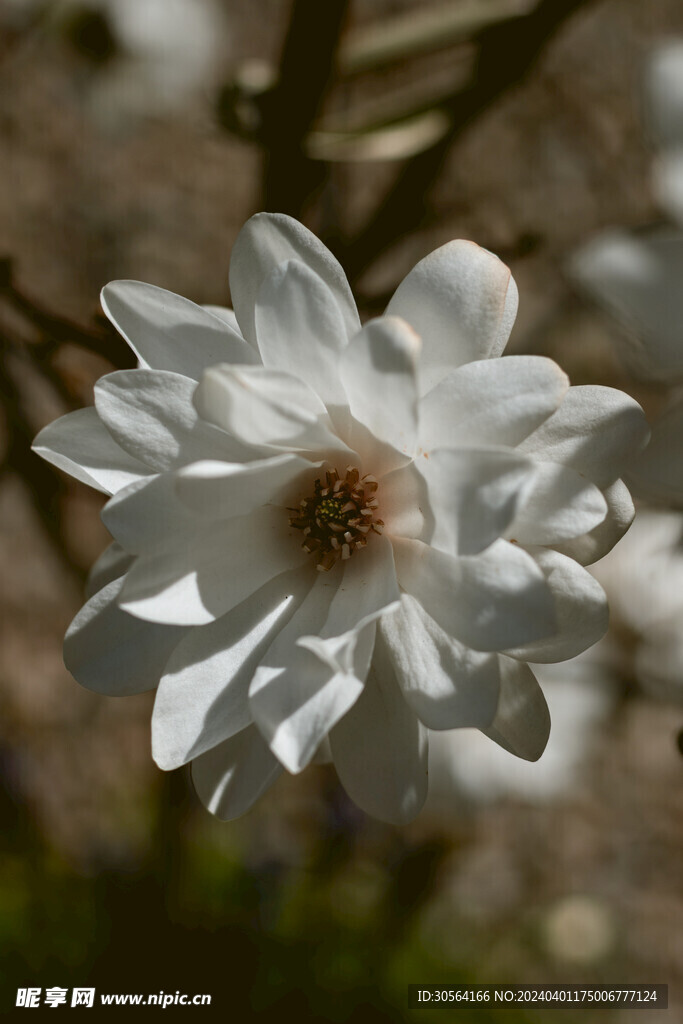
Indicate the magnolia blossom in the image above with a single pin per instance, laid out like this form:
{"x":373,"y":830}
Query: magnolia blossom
{"x":636,"y":277}
{"x":330,"y":539}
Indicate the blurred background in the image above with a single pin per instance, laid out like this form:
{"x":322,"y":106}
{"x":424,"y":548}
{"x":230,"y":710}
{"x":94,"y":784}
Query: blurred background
{"x":136,"y":136}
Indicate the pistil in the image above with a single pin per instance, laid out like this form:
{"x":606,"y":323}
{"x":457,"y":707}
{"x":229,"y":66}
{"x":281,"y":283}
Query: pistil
{"x":338,"y":517}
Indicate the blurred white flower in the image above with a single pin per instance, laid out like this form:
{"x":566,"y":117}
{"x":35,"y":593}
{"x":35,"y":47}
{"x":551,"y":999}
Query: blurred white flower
{"x":331,"y":538}
{"x":172,"y":46}
{"x":664,"y":87}
{"x":167,"y":53}
{"x":643,"y":579}
{"x":636,"y":277}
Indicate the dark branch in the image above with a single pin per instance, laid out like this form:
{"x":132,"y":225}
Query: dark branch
{"x":289,"y":111}
{"x":507,"y":53}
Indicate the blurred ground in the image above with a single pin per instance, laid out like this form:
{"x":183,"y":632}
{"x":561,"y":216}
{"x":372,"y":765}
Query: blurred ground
{"x":111,"y":874}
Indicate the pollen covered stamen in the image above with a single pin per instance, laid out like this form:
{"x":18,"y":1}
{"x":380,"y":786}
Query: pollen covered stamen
{"x":337,"y":518}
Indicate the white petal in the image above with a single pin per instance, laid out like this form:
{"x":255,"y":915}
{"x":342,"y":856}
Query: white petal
{"x":474,"y":494}
{"x":296,"y":698}
{"x":462,"y":301}
{"x":150,"y":415}
{"x":213,"y":571}
{"x":147,"y":514}
{"x":484,"y":600}
{"x":380,"y":748}
{"x":267,"y":408}
{"x":300,"y":329}
{"x":80,"y":444}
{"x":355,"y":594}
{"x":111,"y":652}
{"x":316,"y":667}
{"x":448,"y":685}
{"x":580,"y":608}
{"x":225,"y":314}
{"x":601,"y":539}
{"x":636,"y":278}
{"x":559,"y":504}
{"x":268,"y":239}
{"x":230,"y":778}
{"x":221,"y":490}
{"x":203,"y":694}
{"x":367,"y":588}
{"x":112,"y":564}
{"x":168,"y":332}
{"x":379,"y":368}
{"x":492,"y":401}
{"x":657,"y":473}
{"x":596,"y":431}
{"x":404,"y":503}
{"x":522,"y":722}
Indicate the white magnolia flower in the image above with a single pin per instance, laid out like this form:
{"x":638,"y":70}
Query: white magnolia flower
{"x":636,"y":275}
{"x":331,"y":538}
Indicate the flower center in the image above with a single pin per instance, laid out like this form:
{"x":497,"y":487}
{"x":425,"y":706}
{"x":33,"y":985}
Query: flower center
{"x":338,"y":517}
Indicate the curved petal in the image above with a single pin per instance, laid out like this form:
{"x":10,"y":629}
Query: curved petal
{"x":225,"y":314}
{"x":475,"y":494}
{"x":266,"y":408}
{"x":448,"y":685}
{"x":596,"y":431}
{"x":168,"y":332}
{"x":522,"y":722}
{"x":111,"y":652}
{"x":317,"y":665}
{"x":483,"y":600}
{"x":221,"y":490}
{"x":380,"y":748}
{"x":657,"y":473}
{"x":203,"y":694}
{"x":601,"y":539}
{"x":268,"y":239}
{"x":80,"y":444}
{"x":150,"y":414}
{"x":147,"y":514}
{"x":559,"y":504}
{"x":113,"y":563}
{"x":301,"y":330}
{"x":580,"y":608}
{"x":492,"y":401}
{"x":462,"y":301}
{"x":231,"y":777}
{"x":296,"y":705}
{"x":404,"y":504}
{"x":196,"y":582}
{"x":367,"y":588}
{"x":378,"y":369}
